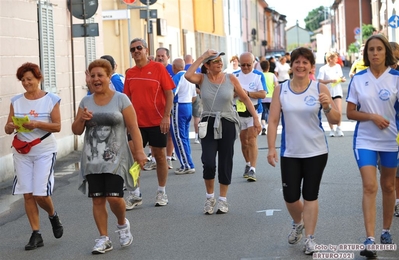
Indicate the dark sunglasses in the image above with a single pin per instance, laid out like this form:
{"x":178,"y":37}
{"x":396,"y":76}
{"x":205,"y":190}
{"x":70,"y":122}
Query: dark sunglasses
{"x":245,"y":65}
{"x":139,"y":48}
{"x":216,"y":60}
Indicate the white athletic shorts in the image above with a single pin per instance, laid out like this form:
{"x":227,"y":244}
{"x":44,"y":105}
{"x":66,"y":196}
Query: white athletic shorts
{"x":246,"y":122}
{"x":34,"y":174}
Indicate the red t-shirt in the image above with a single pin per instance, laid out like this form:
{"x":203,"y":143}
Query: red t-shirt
{"x":144,"y":86}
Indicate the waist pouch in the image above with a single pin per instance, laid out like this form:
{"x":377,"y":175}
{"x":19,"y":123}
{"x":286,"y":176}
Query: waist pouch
{"x":23,"y":147}
{"x":247,"y":113}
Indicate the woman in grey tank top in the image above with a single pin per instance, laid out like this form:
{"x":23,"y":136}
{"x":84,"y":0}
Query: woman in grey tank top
{"x":217,"y":92}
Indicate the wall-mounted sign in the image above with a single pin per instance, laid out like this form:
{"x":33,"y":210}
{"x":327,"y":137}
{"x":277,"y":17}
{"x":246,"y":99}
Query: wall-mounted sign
{"x":116,"y":15}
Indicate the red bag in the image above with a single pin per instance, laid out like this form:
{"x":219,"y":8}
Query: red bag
{"x":23,"y":147}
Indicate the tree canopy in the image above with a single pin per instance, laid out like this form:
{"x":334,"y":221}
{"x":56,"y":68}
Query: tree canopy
{"x":315,"y":17}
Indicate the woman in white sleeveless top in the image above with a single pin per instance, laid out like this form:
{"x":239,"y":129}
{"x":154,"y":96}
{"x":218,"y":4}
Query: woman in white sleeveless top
{"x":304,"y":150}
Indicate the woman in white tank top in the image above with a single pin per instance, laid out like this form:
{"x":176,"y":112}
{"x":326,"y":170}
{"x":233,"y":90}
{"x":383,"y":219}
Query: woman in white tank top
{"x":304,"y":151}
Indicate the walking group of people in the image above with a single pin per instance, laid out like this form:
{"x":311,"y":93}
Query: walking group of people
{"x":157,"y":99}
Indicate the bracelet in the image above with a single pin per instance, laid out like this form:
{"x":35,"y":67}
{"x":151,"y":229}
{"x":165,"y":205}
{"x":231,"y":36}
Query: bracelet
{"x":327,"y":110}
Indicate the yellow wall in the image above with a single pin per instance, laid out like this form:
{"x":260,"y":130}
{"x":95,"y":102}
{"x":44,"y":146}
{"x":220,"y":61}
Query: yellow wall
{"x":208,"y":16}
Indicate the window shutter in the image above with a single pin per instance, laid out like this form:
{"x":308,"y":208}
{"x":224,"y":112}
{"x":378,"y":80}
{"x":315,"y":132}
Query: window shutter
{"x":90,"y":45}
{"x":46,"y":45}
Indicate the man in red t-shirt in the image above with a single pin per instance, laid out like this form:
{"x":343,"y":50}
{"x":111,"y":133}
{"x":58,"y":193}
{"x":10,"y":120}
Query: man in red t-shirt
{"x":149,"y":87}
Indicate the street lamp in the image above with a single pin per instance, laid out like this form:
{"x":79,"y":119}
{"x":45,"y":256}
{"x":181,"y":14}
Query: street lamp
{"x":360,"y":27}
{"x":297,"y":33}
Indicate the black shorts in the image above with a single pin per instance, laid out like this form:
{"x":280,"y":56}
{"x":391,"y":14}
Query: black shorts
{"x":305,"y":171}
{"x":105,"y":185}
{"x":153,"y":136}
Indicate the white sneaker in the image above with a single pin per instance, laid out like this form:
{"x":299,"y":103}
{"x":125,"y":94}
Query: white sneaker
{"x":223,"y":207}
{"x":209,"y":206}
{"x":161,"y":199}
{"x":332,"y":134}
{"x":310,"y":246}
{"x":339,"y":132}
{"x":103,"y":244}
{"x":125,"y":237}
{"x":149,"y":166}
{"x":133,"y":201}
{"x":182,"y":171}
{"x":197,"y":141}
{"x":170,"y":164}
{"x":296,"y":233}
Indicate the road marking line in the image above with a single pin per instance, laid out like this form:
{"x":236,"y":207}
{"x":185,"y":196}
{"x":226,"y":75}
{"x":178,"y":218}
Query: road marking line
{"x":269,"y":212}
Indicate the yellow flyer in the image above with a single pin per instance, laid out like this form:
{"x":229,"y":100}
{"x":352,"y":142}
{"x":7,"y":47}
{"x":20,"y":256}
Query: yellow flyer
{"x":336,"y":83}
{"x":397,"y":139}
{"x":135,"y":172}
{"x":19,"y":121}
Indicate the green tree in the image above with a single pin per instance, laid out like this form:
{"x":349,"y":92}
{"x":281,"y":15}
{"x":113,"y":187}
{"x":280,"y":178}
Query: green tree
{"x":353,"y":48}
{"x":367,"y":31}
{"x":315,"y":17}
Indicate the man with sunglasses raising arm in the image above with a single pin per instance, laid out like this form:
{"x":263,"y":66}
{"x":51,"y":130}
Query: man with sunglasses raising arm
{"x":254,"y":84}
{"x":149,"y":87}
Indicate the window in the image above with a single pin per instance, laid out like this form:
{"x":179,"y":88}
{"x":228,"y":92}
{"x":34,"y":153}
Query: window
{"x":46,"y":45}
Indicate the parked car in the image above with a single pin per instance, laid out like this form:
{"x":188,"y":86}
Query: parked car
{"x":275,"y":53}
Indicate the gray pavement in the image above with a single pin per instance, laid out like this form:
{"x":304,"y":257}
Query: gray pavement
{"x":255,"y":228}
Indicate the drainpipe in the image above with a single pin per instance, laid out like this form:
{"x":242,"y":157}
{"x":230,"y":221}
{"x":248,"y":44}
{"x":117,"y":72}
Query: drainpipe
{"x":75,"y":137}
{"x":213,"y":16}
{"x":121,"y":45}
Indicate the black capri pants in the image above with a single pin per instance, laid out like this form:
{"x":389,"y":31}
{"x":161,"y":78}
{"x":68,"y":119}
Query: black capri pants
{"x":223,"y":148}
{"x":307,"y":171}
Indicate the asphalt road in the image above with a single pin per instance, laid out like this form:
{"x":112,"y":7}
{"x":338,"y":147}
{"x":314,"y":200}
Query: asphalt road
{"x":255,"y":228}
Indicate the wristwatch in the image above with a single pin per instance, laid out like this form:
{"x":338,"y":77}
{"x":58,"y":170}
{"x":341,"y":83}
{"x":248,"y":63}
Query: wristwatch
{"x":327,"y":110}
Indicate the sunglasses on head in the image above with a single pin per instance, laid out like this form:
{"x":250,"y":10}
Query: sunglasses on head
{"x":216,"y":60}
{"x":139,"y":48}
{"x":245,"y":65}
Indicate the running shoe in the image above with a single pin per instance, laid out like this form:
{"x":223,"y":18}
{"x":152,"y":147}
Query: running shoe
{"x":366,"y":252}
{"x":209,"y":206}
{"x":339,"y":132}
{"x":133,"y":200}
{"x":386,"y":238}
{"x":170,"y":164}
{"x":310,"y":245}
{"x":150,"y":166}
{"x":263,"y":131}
{"x":125,"y":237}
{"x":103,"y":244}
{"x":161,"y":199}
{"x":182,"y":171}
{"x":396,"y":210}
{"x":251,"y":176}
{"x":296,"y":233}
{"x":246,"y":170}
{"x":223,"y":207}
